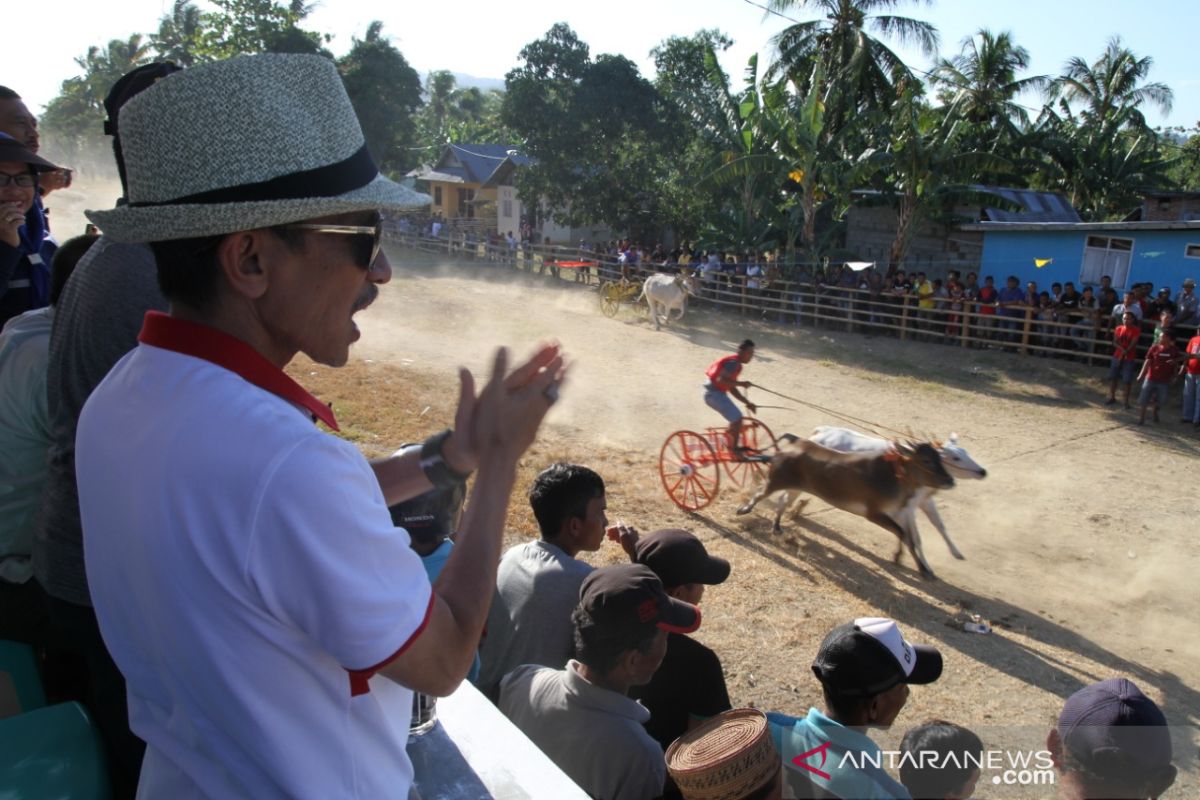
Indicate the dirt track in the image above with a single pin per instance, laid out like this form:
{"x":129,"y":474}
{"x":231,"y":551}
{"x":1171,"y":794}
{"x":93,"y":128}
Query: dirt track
{"x":1080,"y":543}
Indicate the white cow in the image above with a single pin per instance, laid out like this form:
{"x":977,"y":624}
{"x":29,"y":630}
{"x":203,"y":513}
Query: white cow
{"x":956,"y":460}
{"x":670,"y":292}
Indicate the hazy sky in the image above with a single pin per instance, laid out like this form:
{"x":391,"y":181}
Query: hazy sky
{"x":484,"y":38}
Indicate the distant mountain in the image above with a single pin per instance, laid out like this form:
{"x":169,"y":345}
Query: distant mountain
{"x":464,"y":81}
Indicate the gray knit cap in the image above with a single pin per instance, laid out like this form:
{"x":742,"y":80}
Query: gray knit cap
{"x":246,"y":143}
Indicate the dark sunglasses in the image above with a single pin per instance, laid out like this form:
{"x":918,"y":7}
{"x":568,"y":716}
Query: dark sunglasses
{"x":375,"y":232}
{"x":24,"y":179}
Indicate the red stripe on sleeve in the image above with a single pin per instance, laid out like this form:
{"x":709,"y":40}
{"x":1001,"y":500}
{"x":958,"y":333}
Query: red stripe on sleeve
{"x":359,"y":677}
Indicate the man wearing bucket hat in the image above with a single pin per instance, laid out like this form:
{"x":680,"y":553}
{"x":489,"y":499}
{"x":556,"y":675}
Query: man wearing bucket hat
{"x":865,"y":668}
{"x":25,"y":253}
{"x":1111,"y":743}
{"x":581,"y":716}
{"x":244,"y":569}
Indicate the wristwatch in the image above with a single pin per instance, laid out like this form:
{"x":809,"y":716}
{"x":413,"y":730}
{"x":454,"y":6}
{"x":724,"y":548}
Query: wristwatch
{"x":433,"y":462}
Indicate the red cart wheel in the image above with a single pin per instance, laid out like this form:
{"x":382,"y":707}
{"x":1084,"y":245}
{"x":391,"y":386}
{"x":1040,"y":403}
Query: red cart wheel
{"x":689,"y":470}
{"x":758,"y":439}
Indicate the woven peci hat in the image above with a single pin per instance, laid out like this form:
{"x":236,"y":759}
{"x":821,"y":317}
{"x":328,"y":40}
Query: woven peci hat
{"x":246,"y":143}
{"x":725,"y":758}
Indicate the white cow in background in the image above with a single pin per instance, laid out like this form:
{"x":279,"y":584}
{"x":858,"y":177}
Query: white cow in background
{"x":956,"y":460}
{"x":668,"y":292}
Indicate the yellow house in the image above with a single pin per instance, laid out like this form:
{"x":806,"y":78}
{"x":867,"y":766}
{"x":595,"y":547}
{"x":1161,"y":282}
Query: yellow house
{"x":462,"y":186}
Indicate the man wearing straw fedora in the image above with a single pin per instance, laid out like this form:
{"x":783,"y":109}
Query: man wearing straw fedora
{"x":270,"y":621}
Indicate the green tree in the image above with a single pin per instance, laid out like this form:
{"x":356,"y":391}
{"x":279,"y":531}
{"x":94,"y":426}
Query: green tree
{"x":179,"y":34}
{"x":598,"y":130}
{"x":74,"y":120}
{"x":981,"y":86}
{"x":927,"y":167}
{"x":454,"y":115}
{"x":386,"y":93}
{"x":1111,"y":87}
{"x":861,"y":70}
{"x":1102,"y":169}
{"x":239,"y":27}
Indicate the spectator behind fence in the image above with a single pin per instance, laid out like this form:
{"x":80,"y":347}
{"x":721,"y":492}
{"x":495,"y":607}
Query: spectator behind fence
{"x":1189,"y":304}
{"x":689,"y":687}
{"x":729,"y":757}
{"x":865,"y":668}
{"x":24,"y":439}
{"x":538,"y":582}
{"x":1191,"y":382}
{"x":1111,"y":743}
{"x":1083,"y":331}
{"x":987,"y":297}
{"x":581,"y":716}
{"x":1128,"y":303}
{"x":1009,"y":299}
{"x":940,"y":761}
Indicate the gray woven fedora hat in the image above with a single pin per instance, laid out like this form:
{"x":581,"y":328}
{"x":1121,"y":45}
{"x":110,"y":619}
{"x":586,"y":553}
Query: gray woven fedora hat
{"x":246,"y":143}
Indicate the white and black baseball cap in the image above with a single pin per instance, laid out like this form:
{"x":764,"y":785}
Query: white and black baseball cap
{"x":869,"y":656}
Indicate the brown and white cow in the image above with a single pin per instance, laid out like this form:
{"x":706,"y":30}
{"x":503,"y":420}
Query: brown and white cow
{"x":882,"y":488}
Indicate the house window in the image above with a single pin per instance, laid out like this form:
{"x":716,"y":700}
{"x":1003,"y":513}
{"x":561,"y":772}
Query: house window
{"x":1192,"y":251}
{"x":506,"y":209}
{"x":1105,"y":255}
{"x":437,"y":196}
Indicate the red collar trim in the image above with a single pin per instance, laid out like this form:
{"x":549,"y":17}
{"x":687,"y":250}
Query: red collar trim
{"x":210,"y":344}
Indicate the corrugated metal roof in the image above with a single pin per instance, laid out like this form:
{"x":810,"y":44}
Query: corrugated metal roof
{"x":1035,"y":206}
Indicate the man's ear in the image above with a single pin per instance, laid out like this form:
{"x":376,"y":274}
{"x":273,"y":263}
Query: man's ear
{"x":240,"y":257}
{"x":1055,"y":746}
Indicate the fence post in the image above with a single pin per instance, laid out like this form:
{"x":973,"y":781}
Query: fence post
{"x":904,"y":319}
{"x":1024,"y":350}
{"x":965,"y":322}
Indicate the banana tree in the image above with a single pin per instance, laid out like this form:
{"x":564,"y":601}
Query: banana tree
{"x":926,"y":166}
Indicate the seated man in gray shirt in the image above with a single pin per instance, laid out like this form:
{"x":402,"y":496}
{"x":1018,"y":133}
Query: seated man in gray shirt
{"x":581,"y":716}
{"x":538,"y":582}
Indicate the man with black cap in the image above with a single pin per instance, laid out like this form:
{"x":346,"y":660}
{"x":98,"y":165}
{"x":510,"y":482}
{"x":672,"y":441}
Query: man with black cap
{"x":581,"y":716}
{"x":689,"y":687}
{"x":1111,"y":743}
{"x":865,"y":668}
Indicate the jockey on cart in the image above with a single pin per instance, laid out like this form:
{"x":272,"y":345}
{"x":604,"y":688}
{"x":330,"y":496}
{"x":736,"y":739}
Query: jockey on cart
{"x":722,"y":382}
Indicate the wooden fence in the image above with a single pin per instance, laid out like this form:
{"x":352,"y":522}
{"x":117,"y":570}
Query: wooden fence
{"x":1082,"y":335}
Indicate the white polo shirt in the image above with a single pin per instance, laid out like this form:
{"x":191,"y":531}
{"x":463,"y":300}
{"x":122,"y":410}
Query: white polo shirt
{"x":242,"y":563}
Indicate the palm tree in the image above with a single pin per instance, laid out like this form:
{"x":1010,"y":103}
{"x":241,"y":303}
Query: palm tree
{"x":1111,"y":84}
{"x":103,"y":68}
{"x":178,"y":34}
{"x":863,"y":66}
{"x":983,"y":85}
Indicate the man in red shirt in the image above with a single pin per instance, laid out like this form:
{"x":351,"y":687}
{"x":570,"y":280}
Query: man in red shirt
{"x":1191,"y":382}
{"x":1160,"y":367}
{"x":1125,"y":339}
{"x":722,"y":382}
